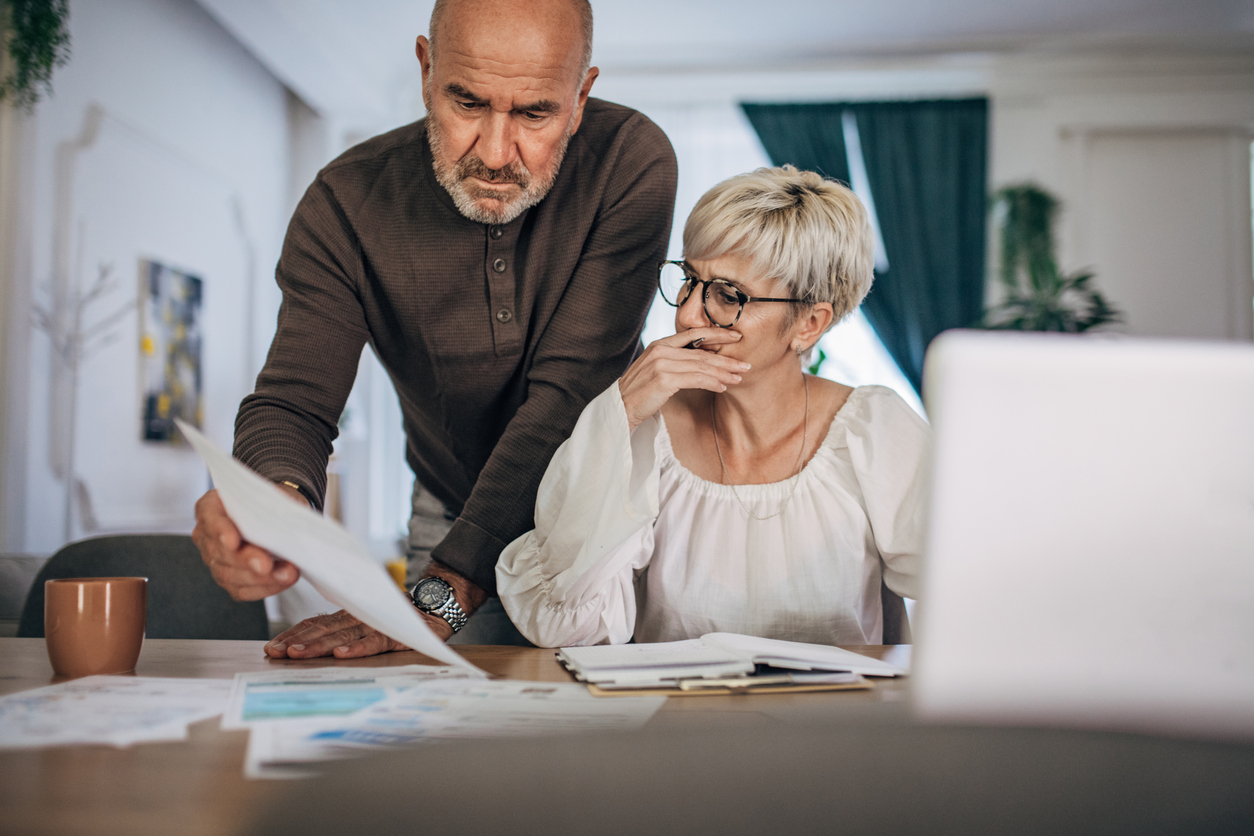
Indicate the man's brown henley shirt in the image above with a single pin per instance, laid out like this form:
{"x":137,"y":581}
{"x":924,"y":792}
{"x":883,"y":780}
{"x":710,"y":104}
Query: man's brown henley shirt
{"x":494,"y":336}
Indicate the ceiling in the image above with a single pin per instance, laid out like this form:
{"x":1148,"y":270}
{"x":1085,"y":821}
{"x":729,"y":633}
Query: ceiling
{"x":354,"y":59}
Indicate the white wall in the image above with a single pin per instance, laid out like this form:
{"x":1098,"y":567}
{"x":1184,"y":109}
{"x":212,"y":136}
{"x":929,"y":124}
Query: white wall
{"x":165,"y":139}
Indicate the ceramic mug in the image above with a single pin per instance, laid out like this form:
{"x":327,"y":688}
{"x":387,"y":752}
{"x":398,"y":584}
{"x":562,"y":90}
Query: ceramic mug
{"x":94,"y":625}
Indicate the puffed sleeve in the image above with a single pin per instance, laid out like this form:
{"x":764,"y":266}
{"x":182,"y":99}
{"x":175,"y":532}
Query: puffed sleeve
{"x":570,"y":580}
{"x":889,"y":446}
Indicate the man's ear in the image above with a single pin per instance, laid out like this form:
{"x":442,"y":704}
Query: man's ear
{"x":422,"y":48}
{"x":593,"y":72}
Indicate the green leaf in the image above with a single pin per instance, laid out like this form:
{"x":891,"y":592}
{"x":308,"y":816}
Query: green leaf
{"x":817,"y":363}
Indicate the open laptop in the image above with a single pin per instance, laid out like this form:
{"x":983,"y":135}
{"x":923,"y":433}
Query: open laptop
{"x":1090,"y":559}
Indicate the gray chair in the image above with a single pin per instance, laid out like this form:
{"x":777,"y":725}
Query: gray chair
{"x":896,"y":619}
{"x":184,"y":602}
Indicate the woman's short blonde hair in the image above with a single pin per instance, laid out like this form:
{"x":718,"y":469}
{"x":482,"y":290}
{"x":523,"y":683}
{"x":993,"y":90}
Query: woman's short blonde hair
{"x":810,"y":233}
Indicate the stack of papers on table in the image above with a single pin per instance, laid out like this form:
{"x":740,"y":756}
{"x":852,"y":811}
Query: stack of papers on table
{"x":294,"y":725}
{"x":721,"y":661}
{"x":109,"y":710}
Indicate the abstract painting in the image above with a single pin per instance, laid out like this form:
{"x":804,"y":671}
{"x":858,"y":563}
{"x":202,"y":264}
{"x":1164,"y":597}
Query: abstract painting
{"x":170,"y":349}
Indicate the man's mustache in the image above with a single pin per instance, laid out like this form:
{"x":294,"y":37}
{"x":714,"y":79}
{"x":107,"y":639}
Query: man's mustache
{"x":514,"y":173}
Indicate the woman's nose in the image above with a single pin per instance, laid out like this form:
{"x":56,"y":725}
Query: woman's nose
{"x":691,"y":314}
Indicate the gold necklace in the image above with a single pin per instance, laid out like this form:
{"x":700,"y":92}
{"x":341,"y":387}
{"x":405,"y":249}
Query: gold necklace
{"x":805,"y":435}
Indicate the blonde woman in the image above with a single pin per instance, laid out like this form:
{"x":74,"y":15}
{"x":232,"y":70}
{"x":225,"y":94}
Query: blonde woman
{"x":716,"y":486}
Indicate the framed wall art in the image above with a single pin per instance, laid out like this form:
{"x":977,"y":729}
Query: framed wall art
{"x":170,"y":347}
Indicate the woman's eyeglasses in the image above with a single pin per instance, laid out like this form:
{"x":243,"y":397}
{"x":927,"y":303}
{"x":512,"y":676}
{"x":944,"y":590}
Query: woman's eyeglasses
{"x":723,"y":301}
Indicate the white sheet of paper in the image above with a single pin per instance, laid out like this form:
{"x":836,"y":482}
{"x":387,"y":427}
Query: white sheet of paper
{"x":442,"y":709}
{"x":315,"y":694}
{"x":337,"y":565}
{"x":109,"y":710}
{"x":802,"y":655}
{"x":652,"y":655}
{"x":503,"y":708}
{"x":288,"y":750}
{"x":652,"y":664}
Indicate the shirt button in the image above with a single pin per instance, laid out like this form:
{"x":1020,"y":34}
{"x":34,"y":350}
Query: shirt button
{"x":499,"y":265}
{"x":504,"y":315}
{"x":496,"y":232}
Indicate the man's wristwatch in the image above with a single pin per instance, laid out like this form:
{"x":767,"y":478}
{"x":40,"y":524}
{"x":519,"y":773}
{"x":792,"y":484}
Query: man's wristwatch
{"x":435,"y":596}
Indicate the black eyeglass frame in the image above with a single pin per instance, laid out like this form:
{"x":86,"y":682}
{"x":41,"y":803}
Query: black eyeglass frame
{"x":741,"y":296}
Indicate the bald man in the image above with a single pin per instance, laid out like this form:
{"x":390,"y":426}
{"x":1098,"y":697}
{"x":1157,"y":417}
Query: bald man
{"x":499,"y":257}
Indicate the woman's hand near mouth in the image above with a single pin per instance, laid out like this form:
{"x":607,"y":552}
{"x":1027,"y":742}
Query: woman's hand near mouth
{"x":668,"y":365}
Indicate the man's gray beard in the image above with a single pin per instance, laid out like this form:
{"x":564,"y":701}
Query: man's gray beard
{"x":466,"y":197}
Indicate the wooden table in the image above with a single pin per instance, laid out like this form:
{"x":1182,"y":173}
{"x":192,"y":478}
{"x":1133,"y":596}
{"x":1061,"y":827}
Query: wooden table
{"x":198,"y":787}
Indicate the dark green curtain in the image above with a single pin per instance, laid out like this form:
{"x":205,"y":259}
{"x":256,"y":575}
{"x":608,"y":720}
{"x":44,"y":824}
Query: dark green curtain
{"x":809,"y":136}
{"x":926,"y":163}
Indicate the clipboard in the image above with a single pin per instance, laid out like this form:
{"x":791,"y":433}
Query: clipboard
{"x":733,"y":687}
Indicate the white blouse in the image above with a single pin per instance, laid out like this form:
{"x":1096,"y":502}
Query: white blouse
{"x":628,"y":542}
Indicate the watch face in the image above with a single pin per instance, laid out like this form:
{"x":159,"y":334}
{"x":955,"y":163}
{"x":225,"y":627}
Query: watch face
{"x":431,"y":593}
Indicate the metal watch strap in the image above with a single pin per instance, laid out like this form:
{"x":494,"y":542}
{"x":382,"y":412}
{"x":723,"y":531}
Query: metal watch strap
{"x":452,"y":612}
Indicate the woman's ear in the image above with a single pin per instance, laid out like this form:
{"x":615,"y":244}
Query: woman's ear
{"x":811,"y":324}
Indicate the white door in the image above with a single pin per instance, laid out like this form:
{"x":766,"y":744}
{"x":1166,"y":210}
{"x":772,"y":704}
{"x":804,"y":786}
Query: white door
{"x":1164,"y":221}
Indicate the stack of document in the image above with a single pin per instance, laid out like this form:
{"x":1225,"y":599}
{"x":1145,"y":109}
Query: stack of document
{"x":721,"y":661}
{"x":332,"y":713}
{"x":109,"y":710}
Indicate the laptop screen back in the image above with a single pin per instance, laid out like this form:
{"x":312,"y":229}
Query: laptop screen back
{"x":1090,"y":558}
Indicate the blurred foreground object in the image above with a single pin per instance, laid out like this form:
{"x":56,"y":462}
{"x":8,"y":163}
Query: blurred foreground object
{"x":1091,"y":537}
{"x":1037,"y":296}
{"x":824,"y":776}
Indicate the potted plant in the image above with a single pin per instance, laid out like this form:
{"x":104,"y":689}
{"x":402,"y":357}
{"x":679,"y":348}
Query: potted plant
{"x":35,"y":42}
{"x":1037,"y":296}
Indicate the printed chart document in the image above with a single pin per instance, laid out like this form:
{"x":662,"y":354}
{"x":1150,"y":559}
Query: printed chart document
{"x":319,"y":693}
{"x":337,"y":565}
{"x":441,"y":709}
{"x":716,"y":655}
{"x":109,"y":710}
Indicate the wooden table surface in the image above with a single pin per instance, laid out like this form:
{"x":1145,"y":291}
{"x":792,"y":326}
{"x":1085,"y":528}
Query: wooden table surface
{"x":198,"y":786}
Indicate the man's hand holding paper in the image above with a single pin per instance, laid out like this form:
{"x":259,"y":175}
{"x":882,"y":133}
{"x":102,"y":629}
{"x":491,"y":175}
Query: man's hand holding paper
{"x":250,"y":573}
{"x":247,"y":572}
{"x":377,"y":615}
